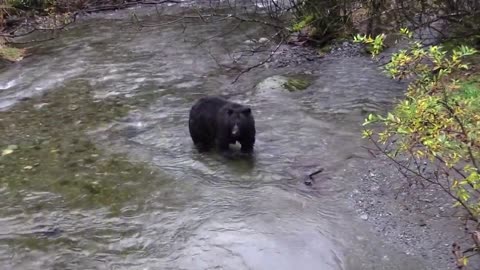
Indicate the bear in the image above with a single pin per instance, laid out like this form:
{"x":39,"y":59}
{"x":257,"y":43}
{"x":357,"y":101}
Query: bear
{"x":217,"y":122}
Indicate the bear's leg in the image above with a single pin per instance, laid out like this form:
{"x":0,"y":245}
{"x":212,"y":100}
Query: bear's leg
{"x":201,"y":141}
{"x":203,"y":147}
{"x":247,"y":148}
{"x":247,"y":145}
{"x":199,"y":135}
{"x":224,"y":148}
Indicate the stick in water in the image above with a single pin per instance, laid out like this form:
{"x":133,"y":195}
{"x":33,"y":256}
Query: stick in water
{"x":308,"y":181}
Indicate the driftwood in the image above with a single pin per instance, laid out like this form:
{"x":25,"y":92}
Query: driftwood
{"x":309,"y":178}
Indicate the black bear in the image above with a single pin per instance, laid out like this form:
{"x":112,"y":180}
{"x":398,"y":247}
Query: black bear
{"x":215,"y":121}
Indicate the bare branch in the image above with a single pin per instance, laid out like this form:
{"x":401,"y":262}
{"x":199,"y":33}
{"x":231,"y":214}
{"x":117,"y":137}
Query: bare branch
{"x":259,"y":64}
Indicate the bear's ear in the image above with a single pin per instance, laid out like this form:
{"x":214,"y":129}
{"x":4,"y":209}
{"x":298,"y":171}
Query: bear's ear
{"x":229,"y":111}
{"x":247,"y":111}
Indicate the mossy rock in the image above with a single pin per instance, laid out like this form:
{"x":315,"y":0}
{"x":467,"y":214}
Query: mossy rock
{"x":297,"y":83}
{"x":11,"y":54}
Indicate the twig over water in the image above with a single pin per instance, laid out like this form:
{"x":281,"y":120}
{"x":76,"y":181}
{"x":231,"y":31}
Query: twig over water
{"x":261,"y":63}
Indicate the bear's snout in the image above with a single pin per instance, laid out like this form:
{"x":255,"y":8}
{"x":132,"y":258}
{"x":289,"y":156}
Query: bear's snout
{"x":235,"y":130}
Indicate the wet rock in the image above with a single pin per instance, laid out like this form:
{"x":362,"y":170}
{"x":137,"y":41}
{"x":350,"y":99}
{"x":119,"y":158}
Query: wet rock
{"x":71,"y":164}
{"x":40,"y":105}
{"x":37,"y":147}
{"x":271,"y":84}
{"x":53,"y":232}
{"x":263,"y":40}
{"x":89,"y":160}
{"x":92,"y":187}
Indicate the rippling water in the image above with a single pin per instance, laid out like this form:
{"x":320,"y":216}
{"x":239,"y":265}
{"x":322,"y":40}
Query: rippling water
{"x":205,"y":212}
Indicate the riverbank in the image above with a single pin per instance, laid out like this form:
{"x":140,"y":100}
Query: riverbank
{"x":421,"y":221}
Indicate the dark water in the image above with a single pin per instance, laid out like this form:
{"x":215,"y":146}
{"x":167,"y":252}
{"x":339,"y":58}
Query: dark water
{"x":202,"y":212}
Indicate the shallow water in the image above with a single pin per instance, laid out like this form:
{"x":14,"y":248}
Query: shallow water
{"x":199,"y":211}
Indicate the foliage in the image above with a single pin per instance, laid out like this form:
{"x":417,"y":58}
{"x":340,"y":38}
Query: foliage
{"x":437,"y":124}
{"x":50,"y":19}
{"x":333,"y":18}
{"x":375,"y":44}
{"x":5,"y":12}
{"x":303,"y":23}
{"x":324,"y":19}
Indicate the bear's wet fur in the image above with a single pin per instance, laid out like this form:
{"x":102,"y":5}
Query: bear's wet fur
{"x":217,"y":122}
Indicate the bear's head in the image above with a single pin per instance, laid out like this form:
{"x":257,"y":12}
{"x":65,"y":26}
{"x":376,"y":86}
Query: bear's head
{"x":239,"y":119}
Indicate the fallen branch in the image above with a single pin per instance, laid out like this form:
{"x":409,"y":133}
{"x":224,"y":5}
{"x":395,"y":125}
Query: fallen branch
{"x":309,"y":180}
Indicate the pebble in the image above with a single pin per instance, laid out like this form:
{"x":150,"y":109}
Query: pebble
{"x":40,"y":105}
{"x":364,"y":217}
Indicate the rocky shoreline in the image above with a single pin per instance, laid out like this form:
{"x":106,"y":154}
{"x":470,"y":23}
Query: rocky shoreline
{"x":418,"y":220}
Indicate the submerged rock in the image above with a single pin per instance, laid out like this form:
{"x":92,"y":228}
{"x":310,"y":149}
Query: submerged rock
{"x":290,"y":83}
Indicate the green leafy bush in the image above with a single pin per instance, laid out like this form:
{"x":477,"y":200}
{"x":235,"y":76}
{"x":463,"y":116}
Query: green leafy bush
{"x":434,"y":133}
{"x":324,"y":20}
{"x":375,"y":45}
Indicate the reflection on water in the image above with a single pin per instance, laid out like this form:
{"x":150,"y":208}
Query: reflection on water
{"x":207,"y":213}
